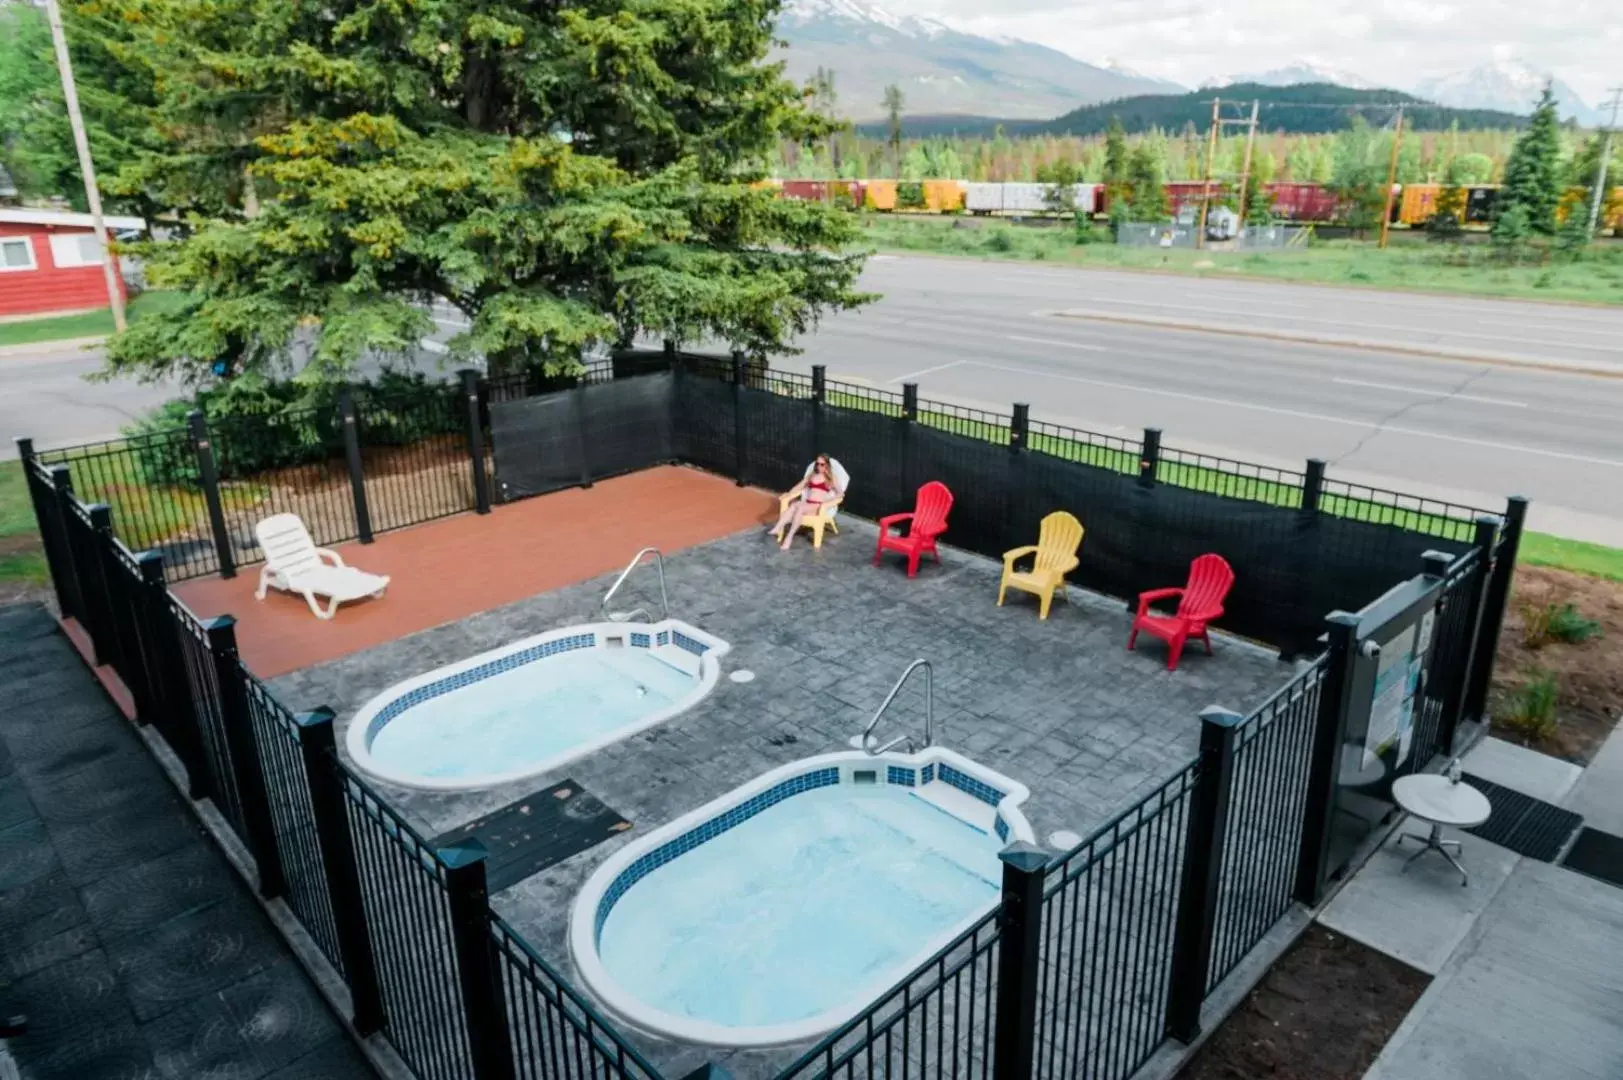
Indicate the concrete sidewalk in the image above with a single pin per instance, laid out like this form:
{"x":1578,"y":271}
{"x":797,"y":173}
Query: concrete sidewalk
{"x":1535,"y":990}
{"x":1526,"y":957}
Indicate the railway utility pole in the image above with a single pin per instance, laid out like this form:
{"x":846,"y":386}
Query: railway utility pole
{"x":1245,"y":170}
{"x":1598,"y":198}
{"x":87,"y":170}
{"x":1211,"y":163}
{"x":1391,"y":179}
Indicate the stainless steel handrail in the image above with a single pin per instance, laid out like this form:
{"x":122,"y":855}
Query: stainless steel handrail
{"x":929,"y":712}
{"x":636,"y":561}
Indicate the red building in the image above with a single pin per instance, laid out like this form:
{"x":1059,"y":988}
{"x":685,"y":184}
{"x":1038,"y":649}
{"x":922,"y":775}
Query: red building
{"x":50,"y":260}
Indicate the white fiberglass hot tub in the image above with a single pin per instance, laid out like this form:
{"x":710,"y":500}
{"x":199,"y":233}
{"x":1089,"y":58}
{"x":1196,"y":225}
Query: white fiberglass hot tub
{"x":776,"y":912}
{"x":530,"y":707}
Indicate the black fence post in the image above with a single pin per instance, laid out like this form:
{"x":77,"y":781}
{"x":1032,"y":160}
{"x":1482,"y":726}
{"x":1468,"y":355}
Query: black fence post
{"x":1318,"y":805}
{"x":1312,"y":485}
{"x":1457,"y":704}
{"x":819,"y":392}
{"x":246,"y":770}
{"x":53,"y":556}
{"x":819,"y":383}
{"x":352,"y":456}
{"x":910,"y":401}
{"x":476,"y":441}
{"x":1020,"y":427}
{"x":149,"y":605}
{"x":208,"y":475}
{"x":1494,"y":603}
{"x":99,"y":595}
{"x":61,"y":483}
{"x":1020,"y":928}
{"x":483,"y":1003}
{"x":1149,"y":461}
{"x":173,"y":685}
{"x":738,"y":416}
{"x":1203,"y":853}
{"x":318,"y":748}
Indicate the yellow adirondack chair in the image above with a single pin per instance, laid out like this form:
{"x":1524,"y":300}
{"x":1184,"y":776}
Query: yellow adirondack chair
{"x":1055,"y":556}
{"x":827,"y":512}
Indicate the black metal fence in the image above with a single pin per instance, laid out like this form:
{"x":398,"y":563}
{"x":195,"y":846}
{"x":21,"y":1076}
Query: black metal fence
{"x":1089,"y":962}
{"x":373,"y":462}
{"x":406,"y":926}
{"x":1301,"y":544}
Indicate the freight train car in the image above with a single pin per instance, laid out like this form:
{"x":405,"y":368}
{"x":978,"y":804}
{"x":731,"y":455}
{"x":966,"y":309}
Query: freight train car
{"x":1302,"y":202}
{"x":1022,"y":199}
{"x":1418,"y":204}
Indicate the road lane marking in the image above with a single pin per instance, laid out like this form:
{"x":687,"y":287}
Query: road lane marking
{"x":1318,"y":417}
{"x":1060,"y":344}
{"x":911,"y":375}
{"x":1440,"y":394}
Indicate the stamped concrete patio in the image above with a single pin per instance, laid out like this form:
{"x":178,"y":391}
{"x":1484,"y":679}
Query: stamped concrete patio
{"x":1059,"y":705}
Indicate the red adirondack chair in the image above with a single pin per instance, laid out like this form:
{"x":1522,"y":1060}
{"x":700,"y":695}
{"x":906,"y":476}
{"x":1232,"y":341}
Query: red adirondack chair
{"x":928,"y":521}
{"x":1199,"y":602}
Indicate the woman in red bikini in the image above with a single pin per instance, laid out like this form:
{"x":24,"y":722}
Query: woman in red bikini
{"x":819,"y":486}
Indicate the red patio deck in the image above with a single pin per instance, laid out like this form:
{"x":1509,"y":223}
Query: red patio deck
{"x":447,"y":570}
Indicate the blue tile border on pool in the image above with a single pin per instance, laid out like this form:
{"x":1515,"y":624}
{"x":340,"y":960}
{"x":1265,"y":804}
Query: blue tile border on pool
{"x":569,"y":643}
{"x":709,"y":830}
{"x":929,"y":774}
{"x":1002,"y":828}
{"x":895,"y":774}
{"x":986,"y":793}
{"x":440,"y":687}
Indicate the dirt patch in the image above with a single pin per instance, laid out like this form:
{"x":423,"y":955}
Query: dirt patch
{"x":1588,"y":675}
{"x":1323,"y":1013}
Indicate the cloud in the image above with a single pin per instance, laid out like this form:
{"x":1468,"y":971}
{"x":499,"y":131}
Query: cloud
{"x":1395,"y":42}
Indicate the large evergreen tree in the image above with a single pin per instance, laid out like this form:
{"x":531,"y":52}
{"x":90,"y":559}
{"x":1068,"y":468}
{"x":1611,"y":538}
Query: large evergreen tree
{"x":1146,"y":183}
{"x":1533,"y":176}
{"x":562,"y":171}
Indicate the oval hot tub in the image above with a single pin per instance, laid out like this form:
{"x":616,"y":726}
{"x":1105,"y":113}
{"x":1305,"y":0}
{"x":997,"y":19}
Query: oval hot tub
{"x":777,"y":911}
{"x":532,"y":706}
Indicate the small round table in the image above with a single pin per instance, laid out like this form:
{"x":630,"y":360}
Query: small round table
{"x":1440,"y":801}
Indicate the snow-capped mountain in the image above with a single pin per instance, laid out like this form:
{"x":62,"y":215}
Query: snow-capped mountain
{"x":940,"y":69}
{"x":1305,"y":70}
{"x":1507,"y":85}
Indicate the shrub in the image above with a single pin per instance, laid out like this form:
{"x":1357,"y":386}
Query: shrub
{"x":257,"y":425}
{"x":909,"y":195}
{"x":1571,"y":627}
{"x":1530,"y":709}
{"x":1544,"y":621}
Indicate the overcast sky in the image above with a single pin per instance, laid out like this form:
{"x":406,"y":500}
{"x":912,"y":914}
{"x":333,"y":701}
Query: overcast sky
{"x":1396,"y":42}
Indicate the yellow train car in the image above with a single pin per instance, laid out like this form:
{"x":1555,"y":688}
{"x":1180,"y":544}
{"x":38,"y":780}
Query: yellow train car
{"x":1577,"y":201}
{"x":879,"y":194}
{"x":943,"y":196}
{"x":1418,"y":204}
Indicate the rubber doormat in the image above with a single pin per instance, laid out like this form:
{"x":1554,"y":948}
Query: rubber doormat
{"x":1525,"y":825}
{"x":538,"y":831}
{"x":1598,"y":854}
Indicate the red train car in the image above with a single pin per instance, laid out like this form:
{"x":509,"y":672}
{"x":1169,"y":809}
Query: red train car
{"x":808,"y":190}
{"x":1303,"y":202}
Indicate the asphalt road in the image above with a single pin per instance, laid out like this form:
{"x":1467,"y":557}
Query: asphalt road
{"x":1470,"y":431}
{"x":44,"y":395}
{"x":988,"y":334}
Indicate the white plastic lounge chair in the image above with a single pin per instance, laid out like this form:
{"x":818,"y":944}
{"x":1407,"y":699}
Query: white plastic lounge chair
{"x":294,"y":563}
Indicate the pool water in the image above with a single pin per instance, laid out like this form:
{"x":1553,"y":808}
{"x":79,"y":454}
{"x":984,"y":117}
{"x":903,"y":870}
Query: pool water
{"x":799,"y":909}
{"x":529,"y":714}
